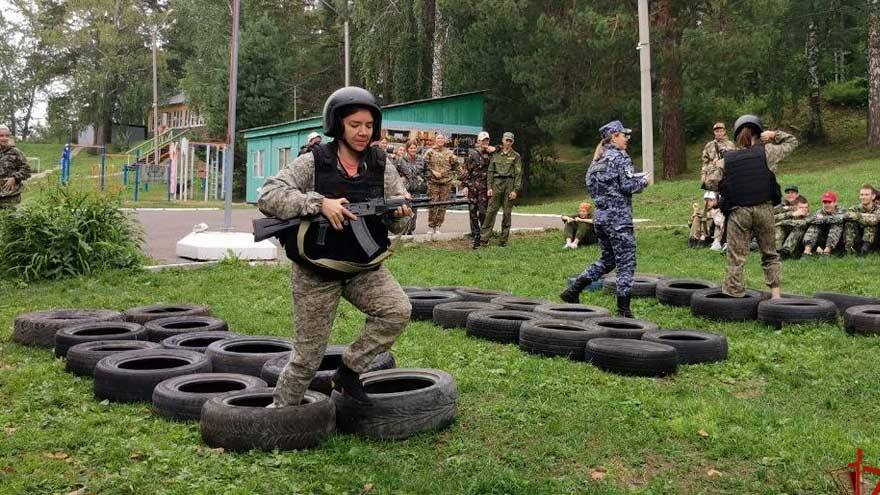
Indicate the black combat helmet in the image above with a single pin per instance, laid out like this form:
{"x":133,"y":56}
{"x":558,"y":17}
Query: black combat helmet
{"x":347,"y":97}
{"x":752,"y":121}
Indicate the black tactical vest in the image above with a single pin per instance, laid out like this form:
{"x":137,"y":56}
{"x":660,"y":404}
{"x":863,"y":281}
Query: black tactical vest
{"x":748,"y":180}
{"x":321,"y":240}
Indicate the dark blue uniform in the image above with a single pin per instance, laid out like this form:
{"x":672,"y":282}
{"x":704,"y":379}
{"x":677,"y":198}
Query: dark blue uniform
{"x":611,"y":183}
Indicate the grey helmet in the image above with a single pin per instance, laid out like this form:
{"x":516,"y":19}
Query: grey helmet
{"x":346,"y":97}
{"x":752,"y":121}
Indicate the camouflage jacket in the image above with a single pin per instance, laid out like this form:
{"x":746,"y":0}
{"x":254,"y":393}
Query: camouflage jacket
{"x":781,"y":146}
{"x":13,"y":164}
{"x":291,"y":193}
{"x":611,"y":184}
{"x":786,"y":205}
{"x":441,"y":165}
{"x":711,"y":151}
{"x":413,"y":171}
{"x":789,"y":219}
{"x":505,"y":165}
{"x":821,"y":217}
{"x":865,"y":216}
{"x":476,"y":169}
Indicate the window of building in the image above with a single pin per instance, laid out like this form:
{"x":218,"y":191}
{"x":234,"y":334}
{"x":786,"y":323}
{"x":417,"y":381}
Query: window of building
{"x":283,"y":157}
{"x":258,"y":164}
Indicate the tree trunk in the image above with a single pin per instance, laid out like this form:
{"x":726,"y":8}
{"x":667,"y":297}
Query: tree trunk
{"x":438,"y":47}
{"x":816,"y":132}
{"x":26,"y":128}
{"x":671,"y":91}
{"x":874,"y":75}
{"x":430,"y":10}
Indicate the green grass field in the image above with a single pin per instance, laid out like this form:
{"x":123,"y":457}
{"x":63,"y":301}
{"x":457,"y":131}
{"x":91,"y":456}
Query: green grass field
{"x":786,"y":408}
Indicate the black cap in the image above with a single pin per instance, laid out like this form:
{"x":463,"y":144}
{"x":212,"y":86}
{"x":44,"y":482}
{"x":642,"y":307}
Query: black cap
{"x":792,"y":188}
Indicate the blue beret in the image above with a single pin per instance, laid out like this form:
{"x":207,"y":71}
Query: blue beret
{"x":612,"y":128}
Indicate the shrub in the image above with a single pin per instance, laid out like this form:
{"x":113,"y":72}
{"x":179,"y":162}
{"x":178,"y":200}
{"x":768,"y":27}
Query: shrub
{"x":66,"y":234}
{"x":851,"y":94}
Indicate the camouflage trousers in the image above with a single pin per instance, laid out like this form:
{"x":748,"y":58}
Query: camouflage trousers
{"x":438,"y":192}
{"x":477,"y":204}
{"x":315,"y":299}
{"x":581,"y":231}
{"x":823,"y":235}
{"x":857,"y":235}
{"x":500,"y":200}
{"x":789,"y":238}
{"x":618,"y":247}
{"x":743,"y":224}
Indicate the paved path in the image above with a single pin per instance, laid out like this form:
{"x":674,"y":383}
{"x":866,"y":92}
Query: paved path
{"x":163,"y":228}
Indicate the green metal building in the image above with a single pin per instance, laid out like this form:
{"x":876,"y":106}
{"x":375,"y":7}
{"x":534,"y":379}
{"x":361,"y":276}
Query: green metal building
{"x":269,"y":147}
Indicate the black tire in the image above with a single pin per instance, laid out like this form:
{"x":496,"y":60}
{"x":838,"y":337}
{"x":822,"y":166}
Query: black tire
{"x":622,"y":328}
{"x":444,"y":288}
{"x":246,"y":355}
{"x":693,"y":347}
{"x":862,"y":320}
{"x":90,"y":332}
{"x":514,"y":303}
{"x":131,"y":376}
{"x":162,"y":328}
{"x":412,"y":288}
{"x":240,"y":421}
{"x":39,"y":327}
{"x":678,"y":291}
{"x":632,"y":357}
{"x":405,"y":402}
{"x":572,"y":312}
{"x":181,"y":398}
{"x":82,"y":358}
{"x":143,"y":314}
{"x":846,"y":301}
{"x":775,"y":312}
{"x":715,"y":305}
{"x":331,"y":360}
{"x":479,"y":295}
{"x":500,"y":326}
{"x":196,"y":341}
{"x":454,"y":314}
{"x":423,"y":303}
{"x":557,"y":337}
{"x":643,"y":285}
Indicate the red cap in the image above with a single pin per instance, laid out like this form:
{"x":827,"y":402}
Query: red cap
{"x":829,"y":197}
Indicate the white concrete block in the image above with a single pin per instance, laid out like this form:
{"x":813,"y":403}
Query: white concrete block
{"x":219,"y":245}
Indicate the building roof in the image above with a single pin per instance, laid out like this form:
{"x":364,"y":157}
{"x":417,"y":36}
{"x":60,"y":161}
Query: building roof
{"x":315,"y":121}
{"x":176,"y":99}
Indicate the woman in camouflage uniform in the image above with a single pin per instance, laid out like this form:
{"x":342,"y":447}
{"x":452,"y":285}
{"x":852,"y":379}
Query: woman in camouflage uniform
{"x":14,"y":170}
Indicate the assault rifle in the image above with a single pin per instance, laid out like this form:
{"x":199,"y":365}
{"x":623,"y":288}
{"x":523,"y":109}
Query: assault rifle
{"x":267,"y":227}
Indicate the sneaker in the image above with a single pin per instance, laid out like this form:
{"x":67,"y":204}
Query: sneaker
{"x":716,"y":246}
{"x":437,"y":231}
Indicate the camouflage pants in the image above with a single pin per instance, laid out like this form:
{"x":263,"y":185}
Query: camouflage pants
{"x":581,"y":231}
{"x":438,"y":192}
{"x":315,"y":299}
{"x":743,"y":224}
{"x":618,"y":245}
{"x":857,"y":235}
{"x":500,"y":200}
{"x":823,"y":235}
{"x":789,"y":238}
{"x":477,"y":204}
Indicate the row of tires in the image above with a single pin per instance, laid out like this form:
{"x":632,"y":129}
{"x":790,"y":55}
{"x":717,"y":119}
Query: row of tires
{"x":861,"y":315}
{"x":576,"y":331}
{"x":224,"y":381}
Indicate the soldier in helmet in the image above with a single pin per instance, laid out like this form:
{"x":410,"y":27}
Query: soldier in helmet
{"x":312,"y":141}
{"x":746,"y":178}
{"x":323,"y":182}
{"x":14,"y":170}
{"x":611,"y":183}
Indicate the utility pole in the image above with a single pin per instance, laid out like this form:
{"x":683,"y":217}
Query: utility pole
{"x":155,"y":101}
{"x":644,"y":49}
{"x":230,"y":120}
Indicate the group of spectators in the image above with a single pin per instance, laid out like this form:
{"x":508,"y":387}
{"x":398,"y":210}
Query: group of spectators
{"x":831,"y":228}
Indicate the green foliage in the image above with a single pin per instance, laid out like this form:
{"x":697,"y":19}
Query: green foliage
{"x":67,"y":234}
{"x":852,"y":93}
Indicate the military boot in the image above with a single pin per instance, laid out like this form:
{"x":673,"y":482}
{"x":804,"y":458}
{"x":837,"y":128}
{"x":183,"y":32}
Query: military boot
{"x":347,"y":381}
{"x":866,"y":248}
{"x":623,"y":307}
{"x":476,"y":240}
{"x":573,"y":293}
